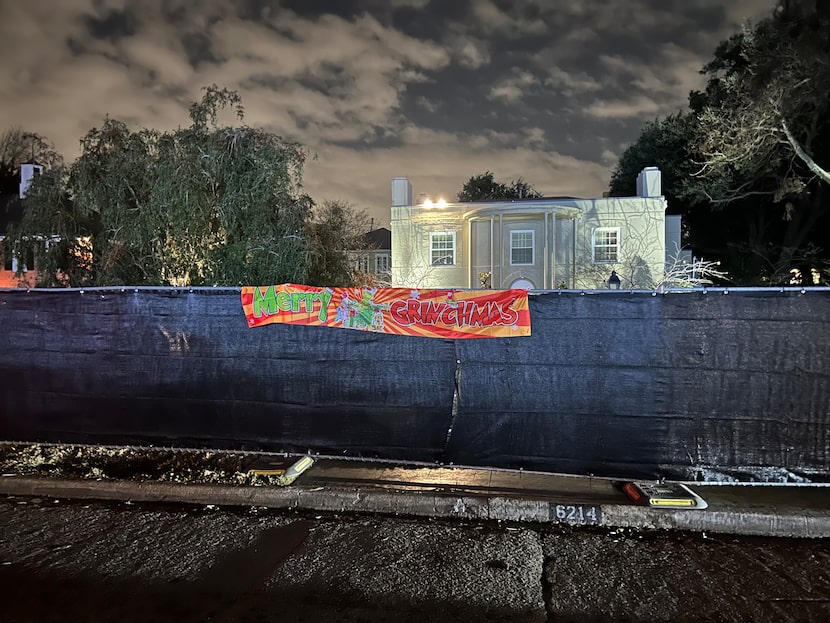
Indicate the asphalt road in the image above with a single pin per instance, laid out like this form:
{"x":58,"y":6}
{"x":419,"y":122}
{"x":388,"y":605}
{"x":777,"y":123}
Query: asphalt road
{"x":62,"y":561}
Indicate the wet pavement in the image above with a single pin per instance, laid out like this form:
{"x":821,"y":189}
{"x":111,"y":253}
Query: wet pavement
{"x":116,"y":561}
{"x":372,"y":541}
{"x":93,"y":562}
{"x":337,"y":485}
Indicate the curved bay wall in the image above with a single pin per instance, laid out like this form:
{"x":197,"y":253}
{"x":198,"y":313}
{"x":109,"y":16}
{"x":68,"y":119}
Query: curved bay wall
{"x":682,"y":385}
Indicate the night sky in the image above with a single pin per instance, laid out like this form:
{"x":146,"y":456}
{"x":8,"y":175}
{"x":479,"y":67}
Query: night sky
{"x":436,"y":91}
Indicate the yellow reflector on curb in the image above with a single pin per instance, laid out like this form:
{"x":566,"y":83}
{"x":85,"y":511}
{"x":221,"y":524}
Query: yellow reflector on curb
{"x":300,"y":466}
{"x":663,"y":495}
{"x":670,"y":502}
{"x":289,"y":467}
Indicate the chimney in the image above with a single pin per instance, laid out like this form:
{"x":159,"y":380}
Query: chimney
{"x":401,"y":192}
{"x":28,"y":171}
{"x":650,"y":183}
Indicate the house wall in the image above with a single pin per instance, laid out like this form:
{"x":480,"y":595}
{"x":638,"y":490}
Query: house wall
{"x":563,"y":247}
{"x":642,"y":243}
{"x":509,"y":273}
{"x":483,"y":253}
{"x":8,"y":279}
{"x":563,"y":270}
{"x":552,"y":250}
{"x":411,"y":265}
{"x":367,"y":262}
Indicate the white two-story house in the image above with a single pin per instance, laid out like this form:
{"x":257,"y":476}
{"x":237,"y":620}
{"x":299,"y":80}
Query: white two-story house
{"x":547,"y":243}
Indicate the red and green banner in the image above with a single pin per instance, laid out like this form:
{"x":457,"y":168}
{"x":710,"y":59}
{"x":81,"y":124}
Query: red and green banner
{"x":399,"y":311}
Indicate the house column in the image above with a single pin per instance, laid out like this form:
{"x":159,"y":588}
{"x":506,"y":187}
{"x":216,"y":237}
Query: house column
{"x":552,"y":251}
{"x":491,"y":252}
{"x":501,"y":250}
{"x":573,"y":253}
{"x":472,"y":281}
{"x":546,"y":256}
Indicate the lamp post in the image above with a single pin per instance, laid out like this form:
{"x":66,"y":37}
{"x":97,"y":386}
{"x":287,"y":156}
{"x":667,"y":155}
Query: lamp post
{"x":614,"y":281}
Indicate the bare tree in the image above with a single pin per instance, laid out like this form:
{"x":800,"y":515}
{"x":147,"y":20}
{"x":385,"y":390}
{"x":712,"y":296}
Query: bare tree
{"x":766,"y":111}
{"x":682,"y":272}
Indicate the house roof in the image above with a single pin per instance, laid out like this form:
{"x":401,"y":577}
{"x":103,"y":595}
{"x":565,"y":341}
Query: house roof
{"x":564,"y":207}
{"x":380,"y":238}
{"x":525,"y":199}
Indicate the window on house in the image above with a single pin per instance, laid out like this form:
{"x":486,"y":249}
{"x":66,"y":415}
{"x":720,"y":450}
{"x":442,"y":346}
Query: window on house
{"x":30,"y":257}
{"x":521,"y":247}
{"x":362,"y":264}
{"x":442,"y":248}
{"x":606,"y":244}
{"x":25,"y":259}
{"x":382,"y":264}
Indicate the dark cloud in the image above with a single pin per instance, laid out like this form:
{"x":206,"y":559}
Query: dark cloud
{"x":435,"y":90}
{"x":113,"y":25}
{"x":197,"y":46}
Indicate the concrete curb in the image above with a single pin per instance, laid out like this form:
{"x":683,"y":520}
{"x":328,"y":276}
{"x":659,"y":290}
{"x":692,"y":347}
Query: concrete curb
{"x":806,"y":524}
{"x":767,"y":523}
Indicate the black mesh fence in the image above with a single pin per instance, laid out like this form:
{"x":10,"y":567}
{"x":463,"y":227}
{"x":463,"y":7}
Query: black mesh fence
{"x":686,"y":385}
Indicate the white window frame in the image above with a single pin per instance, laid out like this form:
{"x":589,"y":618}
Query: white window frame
{"x":616,"y":247}
{"x":532,"y":247}
{"x":362,"y":264}
{"x":382,"y":263}
{"x":433,"y":249}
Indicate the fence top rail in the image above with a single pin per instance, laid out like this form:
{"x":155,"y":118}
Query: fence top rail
{"x":571,"y":292}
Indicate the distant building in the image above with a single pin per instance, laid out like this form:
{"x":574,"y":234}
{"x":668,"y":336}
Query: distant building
{"x":375,"y":258}
{"x":18,"y":265}
{"x":547,"y":243}
{"x":28,"y":172}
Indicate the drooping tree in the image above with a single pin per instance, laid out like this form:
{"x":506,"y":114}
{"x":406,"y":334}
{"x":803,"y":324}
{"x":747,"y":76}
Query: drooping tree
{"x":202,"y":205}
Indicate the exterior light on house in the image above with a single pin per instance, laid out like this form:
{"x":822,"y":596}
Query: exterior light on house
{"x":427,"y":203}
{"x":442,"y":203}
{"x":614,"y":281}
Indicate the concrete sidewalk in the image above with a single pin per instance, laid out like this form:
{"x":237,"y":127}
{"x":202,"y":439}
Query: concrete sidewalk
{"x":342,"y":486}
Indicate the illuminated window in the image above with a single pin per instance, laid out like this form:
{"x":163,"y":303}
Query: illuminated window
{"x":442,"y":248}
{"x":521,"y":247}
{"x":606,"y":245}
